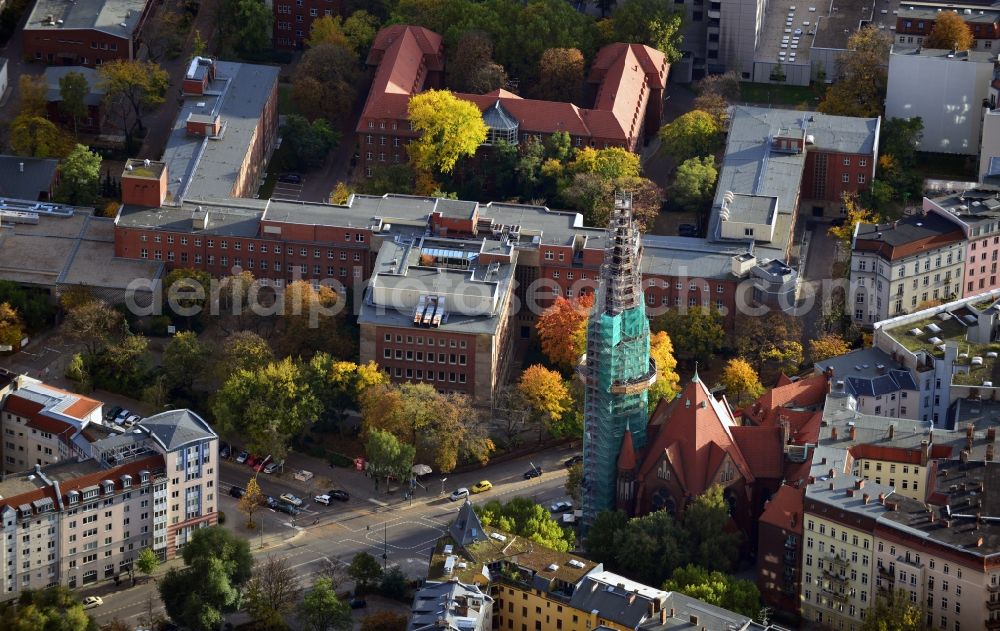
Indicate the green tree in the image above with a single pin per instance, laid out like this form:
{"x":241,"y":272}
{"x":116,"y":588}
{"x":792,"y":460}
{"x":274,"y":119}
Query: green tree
{"x":691,"y":135}
{"x":186,"y":292}
{"x":77,"y":372}
{"x":339,"y":385}
{"x":217,"y":564}
{"x":694,"y":183}
{"x":862,"y":76}
{"x":561,"y":75}
{"x":31,"y":95}
{"x":321,"y":610}
{"x":387,"y":456}
{"x":50,"y":609}
{"x":708,"y":539}
{"x":147,"y":561}
{"x":471,"y":67}
{"x":523,"y":517}
{"x":93,"y":324}
{"x":79,"y":177}
{"x":574,"y":481}
{"x":770,"y":342}
{"x":37,"y":137}
{"x":365,"y":570}
{"x":309,"y":143}
{"x":600,"y":541}
{"x":244,"y":28}
{"x":741,"y":382}
{"x":395,"y":178}
{"x":360,"y":28}
{"x":697,"y":334}
{"x":449,"y":129}
{"x":73,"y":91}
{"x":325,"y":81}
{"x":185,"y":359}
{"x":141,"y":85}
{"x":894,"y":612}
{"x":651,"y":547}
{"x":950,"y":32}
{"x":243,"y":350}
{"x":393,"y":583}
{"x":716,"y":588}
{"x":656,"y":23}
{"x":267,"y":406}
{"x":272,"y":592}
{"x":900,"y":138}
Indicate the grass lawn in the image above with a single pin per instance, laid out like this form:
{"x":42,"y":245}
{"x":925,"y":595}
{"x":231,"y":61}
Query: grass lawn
{"x":775,"y":94}
{"x":946,"y":166}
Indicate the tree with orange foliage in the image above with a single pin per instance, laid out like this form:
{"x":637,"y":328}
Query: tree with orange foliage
{"x":562,"y":330}
{"x":949,"y":32}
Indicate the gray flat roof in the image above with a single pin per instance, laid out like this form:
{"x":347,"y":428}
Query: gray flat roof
{"x":842,"y":19}
{"x":947,"y":54}
{"x":106,"y":16}
{"x":236,"y":218}
{"x":753,"y":208}
{"x":687,"y":256}
{"x":207,"y":168}
{"x":24,"y":178}
{"x":908,"y":229}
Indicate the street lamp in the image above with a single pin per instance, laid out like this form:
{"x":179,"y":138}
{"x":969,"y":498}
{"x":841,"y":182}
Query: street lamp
{"x":442,"y":485}
{"x":255,"y":473}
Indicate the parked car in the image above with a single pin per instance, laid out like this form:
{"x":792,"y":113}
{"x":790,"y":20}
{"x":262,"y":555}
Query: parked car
{"x":322,"y":499}
{"x":224,"y":450}
{"x":92,"y":601}
{"x":687,"y":230}
{"x":358,"y":603}
{"x":252,"y":461}
{"x":132,"y":420}
{"x":562,"y":507}
{"x":533,"y":472}
{"x":124,"y":414}
{"x":459,"y":494}
{"x":270,"y":502}
{"x":285,"y":507}
{"x":237,"y":492}
{"x":290,"y":178}
{"x":291,"y":499}
{"x":482,"y":486}
{"x":573,"y":460}
{"x":113,"y":412}
{"x":242,"y":457}
{"x":337,"y":494}
{"x":271,"y":467}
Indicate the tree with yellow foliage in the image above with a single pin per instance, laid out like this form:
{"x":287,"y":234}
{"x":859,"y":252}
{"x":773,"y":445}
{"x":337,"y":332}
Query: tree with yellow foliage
{"x":11,"y":326}
{"x":950,"y":32}
{"x":661,"y":350}
{"x":545,"y":395}
{"x":862,"y":76}
{"x":449,"y":127}
{"x":856,"y":213}
{"x":826,"y":346}
{"x":251,"y":499}
{"x":741,"y":382}
{"x":562,"y":330}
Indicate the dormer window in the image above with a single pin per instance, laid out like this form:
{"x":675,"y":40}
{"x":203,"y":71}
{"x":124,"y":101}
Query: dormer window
{"x":126,"y":481}
{"x":108,"y":487}
{"x":90,"y":492}
{"x":73,"y":497}
{"x":502,"y":126}
{"x":144,"y":477}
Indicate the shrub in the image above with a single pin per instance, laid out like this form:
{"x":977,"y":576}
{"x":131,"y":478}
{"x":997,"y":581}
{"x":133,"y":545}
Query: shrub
{"x":222,"y":518}
{"x":340,"y":460}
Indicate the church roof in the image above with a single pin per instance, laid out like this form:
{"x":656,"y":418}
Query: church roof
{"x":804,"y":393}
{"x":626,"y":457}
{"x":697,"y":434}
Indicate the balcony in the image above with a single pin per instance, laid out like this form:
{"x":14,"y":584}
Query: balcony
{"x":993,"y":605}
{"x":791,"y":558}
{"x":991,"y":624}
{"x":993,"y":589}
{"x":791,"y":543}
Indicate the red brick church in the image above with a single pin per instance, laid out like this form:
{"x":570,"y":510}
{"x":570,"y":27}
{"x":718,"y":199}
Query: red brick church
{"x":696,"y":441}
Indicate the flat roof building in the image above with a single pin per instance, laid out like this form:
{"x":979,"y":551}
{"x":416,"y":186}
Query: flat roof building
{"x":84,"y":32}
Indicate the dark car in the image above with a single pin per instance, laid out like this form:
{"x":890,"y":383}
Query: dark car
{"x":113,"y":412}
{"x":577,"y":459}
{"x":290,"y":178}
{"x":285,"y":507}
{"x":687,"y":230}
{"x":337,"y":494}
{"x":267,"y":500}
{"x":237,"y":492}
{"x":533,"y":472}
{"x":358,"y":603}
{"x":224,"y":450}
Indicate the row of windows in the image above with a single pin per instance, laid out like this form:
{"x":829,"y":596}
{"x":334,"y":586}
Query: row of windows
{"x":357,"y":237}
{"x":409,"y":355}
{"x":419,"y":341}
{"x":431,"y":375}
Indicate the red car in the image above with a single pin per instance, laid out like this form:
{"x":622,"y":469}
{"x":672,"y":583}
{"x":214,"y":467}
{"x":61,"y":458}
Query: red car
{"x":252,"y":461}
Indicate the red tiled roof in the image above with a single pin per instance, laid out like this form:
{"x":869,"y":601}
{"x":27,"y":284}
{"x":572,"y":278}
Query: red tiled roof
{"x":784,"y":510}
{"x":45,"y":424}
{"x":627,"y":73}
{"x":151,"y":463}
{"x":24,"y":408}
{"x":626,"y":457}
{"x":762,"y":448}
{"x":807,"y":392}
{"x":696,"y":432}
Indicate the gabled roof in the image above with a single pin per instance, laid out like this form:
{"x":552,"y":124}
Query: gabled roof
{"x":762,"y":448}
{"x":804,"y":393}
{"x":626,"y":456}
{"x":174,"y":429}
{"x":784,"y":509}
{"x":696,"y":430}
{"x":466,"y":529}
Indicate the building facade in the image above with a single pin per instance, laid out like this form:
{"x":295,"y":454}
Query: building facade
{"x":977,"y":211}
{"x":293,"y":20}
{"x":879,"y":384}
{"x":70,"y":33}
{"x":913,"y":24}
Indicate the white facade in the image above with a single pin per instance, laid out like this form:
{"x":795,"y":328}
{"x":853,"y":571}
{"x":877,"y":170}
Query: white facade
{"x":946,"y":90}
{"x":741,"y":23}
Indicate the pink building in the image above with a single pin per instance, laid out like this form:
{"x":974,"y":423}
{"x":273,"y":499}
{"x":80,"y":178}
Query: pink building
{"x":978,"y":214}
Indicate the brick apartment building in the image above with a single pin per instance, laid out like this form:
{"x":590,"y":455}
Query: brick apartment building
{"x":913,"y":24}
{"x":84,"y":32}
{"x":84,"y":512}
{"x":627,"y":81}
{"x":293,"y":19}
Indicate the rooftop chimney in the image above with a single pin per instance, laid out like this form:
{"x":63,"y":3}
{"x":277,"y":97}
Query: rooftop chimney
{"x":854,"y":432}
{"x":892,"y":431}
{"x":866,"y":498}
{"x":969,"y":429}
{"x":859,"y":483}
{"x":989,"y":452}
{"x":991,"y":434}
{"x":833,"y":473}
{"x":833,"y":433}
{"x":881,"y":499}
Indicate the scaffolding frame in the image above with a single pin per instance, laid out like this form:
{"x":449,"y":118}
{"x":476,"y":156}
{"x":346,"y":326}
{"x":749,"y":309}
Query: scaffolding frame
{"x":618,"y":370}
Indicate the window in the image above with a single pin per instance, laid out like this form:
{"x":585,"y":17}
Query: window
{"x":845,"y":178}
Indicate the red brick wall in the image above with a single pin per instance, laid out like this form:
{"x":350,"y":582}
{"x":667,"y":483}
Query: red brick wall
{"x":408,"y":351}
{"x":261,"y":147}
{"x":771,"y":564}
{"x":289,"y":32}
{"x":90,"y":124}
{"x":144,"y":191}
{"x":829,"y":186}
{"x":76,"y":47}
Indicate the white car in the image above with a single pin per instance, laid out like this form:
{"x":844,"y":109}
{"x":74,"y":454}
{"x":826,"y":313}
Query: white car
{"x":459,"y":494}
{"x":242,"y":457}
{"x":124,"y":414}
{"x":291,"y":499}
{"x":562,"y":507}
{"x":271,"y":467}
{"x":92,"y":601}
{"x":132,"y":420}
{"x":322,"y":499}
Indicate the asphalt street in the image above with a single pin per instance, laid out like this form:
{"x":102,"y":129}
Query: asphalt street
{"x":377,"y":523}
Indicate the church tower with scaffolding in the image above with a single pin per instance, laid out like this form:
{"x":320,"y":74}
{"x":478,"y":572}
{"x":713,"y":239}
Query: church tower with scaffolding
{"x":617,"y":369}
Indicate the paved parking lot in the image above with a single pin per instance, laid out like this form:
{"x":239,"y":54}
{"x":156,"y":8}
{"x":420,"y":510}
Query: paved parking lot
{"x":287,"y":190}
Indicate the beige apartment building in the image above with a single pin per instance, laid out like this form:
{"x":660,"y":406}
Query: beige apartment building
{"x":82,"y":520}
{"x":43,"y":425}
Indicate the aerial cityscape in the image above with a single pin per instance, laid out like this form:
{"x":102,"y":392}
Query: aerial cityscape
{"x":499,"y":315}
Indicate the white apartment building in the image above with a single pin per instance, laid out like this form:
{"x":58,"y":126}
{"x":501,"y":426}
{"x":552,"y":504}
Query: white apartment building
{"x":879,"y":384}
{"x":895,"y":267}
{"x":85,"y":519}
{"x":43,"y":425}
